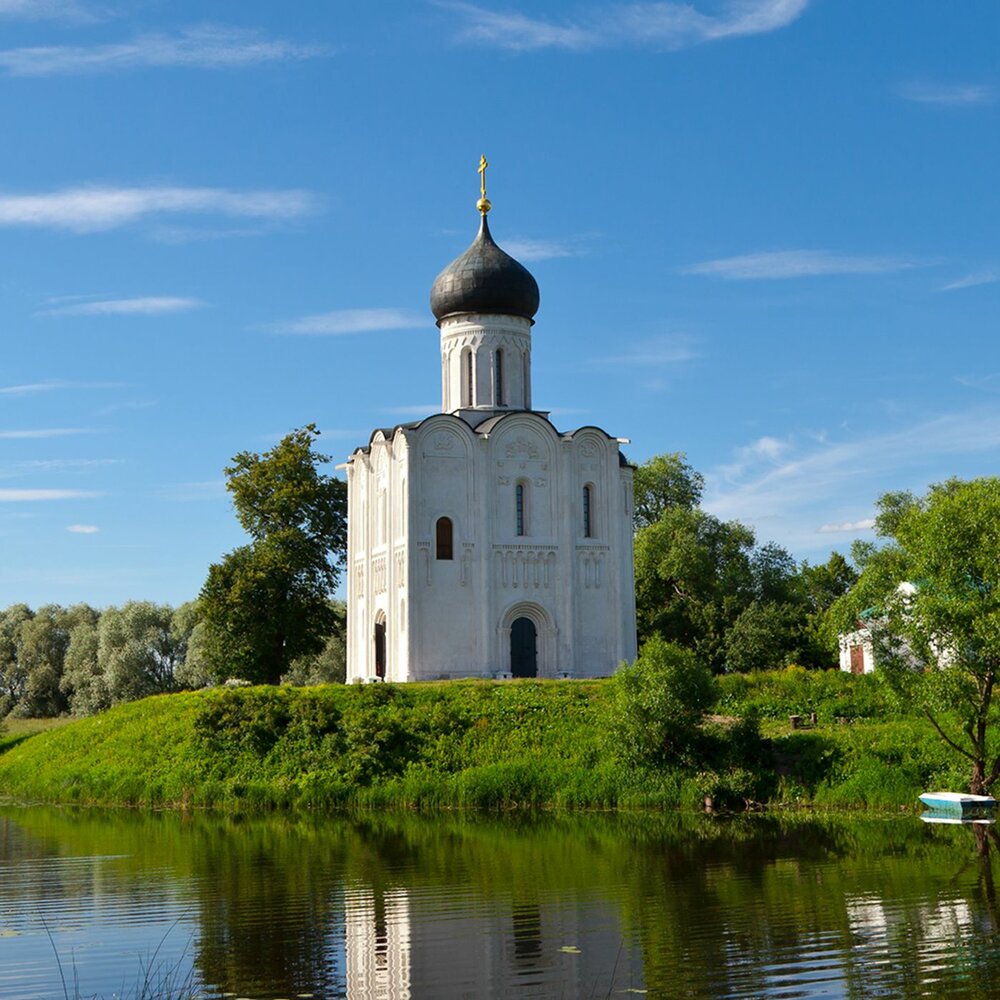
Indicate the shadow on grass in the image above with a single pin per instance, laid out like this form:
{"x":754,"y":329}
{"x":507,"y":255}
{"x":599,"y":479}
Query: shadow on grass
{"x":807,"y":759}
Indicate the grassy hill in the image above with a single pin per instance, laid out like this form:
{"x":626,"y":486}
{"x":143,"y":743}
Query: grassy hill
{"x":464,"y":744}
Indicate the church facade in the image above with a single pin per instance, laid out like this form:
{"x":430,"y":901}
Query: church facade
{"x":482,"y":541}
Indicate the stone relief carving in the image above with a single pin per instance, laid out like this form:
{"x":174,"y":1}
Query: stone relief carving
{"x":521,"y":448}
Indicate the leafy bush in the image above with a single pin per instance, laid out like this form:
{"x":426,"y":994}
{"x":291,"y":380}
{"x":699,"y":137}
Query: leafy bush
{"x":658,"y":705}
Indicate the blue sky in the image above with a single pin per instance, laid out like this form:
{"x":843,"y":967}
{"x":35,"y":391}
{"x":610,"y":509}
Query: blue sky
{"x":765,"y":234}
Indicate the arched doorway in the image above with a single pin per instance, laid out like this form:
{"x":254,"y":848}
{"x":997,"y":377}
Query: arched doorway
{"x":523,"y":648}
{"x":380,"y":647}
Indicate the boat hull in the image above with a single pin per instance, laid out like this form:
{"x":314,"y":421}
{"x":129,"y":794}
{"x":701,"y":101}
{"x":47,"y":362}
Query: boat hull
{"x":958,"y":804}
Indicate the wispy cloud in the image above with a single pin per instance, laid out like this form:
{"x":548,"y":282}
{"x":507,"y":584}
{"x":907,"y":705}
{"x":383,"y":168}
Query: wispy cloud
{"x":29,"y":496}
{"x":54,"y":385}
{"x":37,"y":10}
{"x":203,"y":47}
{"x":83,"y":529}
{"x":149,"y":305}
{"x":529,"y":249}
{"x":865,"y":524}
{"x":91,"y":209}
{"x":344,"y":321}
{"x":798,"y":264}
{"x":70,"y":463}
{"x":669,"y":349}
{"x":947,"y":93}
{"x":43,"y":432}
{"x":822,"y":481}
{"x":985,"y":277}
{"x":650,"y":25}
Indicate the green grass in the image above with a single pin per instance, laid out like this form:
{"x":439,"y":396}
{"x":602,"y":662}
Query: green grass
{"x":475,"y":744}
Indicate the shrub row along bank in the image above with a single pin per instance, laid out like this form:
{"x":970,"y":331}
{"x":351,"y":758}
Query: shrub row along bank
{"x":476,"y":744}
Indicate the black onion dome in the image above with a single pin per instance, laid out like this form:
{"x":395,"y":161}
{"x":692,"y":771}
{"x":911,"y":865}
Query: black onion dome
{"x":484,"y":280}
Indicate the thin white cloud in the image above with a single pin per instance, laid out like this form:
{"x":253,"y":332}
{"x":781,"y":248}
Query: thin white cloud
{"x":42,"y":432}
{"x":986,"y":383}
{"x":985,"y":277}
{"x":92,"y":209}
{"x":83,"y":529}
{"x":148,"y":305}
{"x":344,"y":321}
{"x":816,"y":480}
{"x":798,"y":264}
{"x":38,"y":10}
{"x":70,"y":463}
{"x":54,"y":385}
{"x":204,"y":47}
{"x":954,"y":94}
{"x":865,"y":524}
{"x":670,"y":349}
{"x":511,"y":30}
{"x":649,"y":25}
{"x":26,"y":496}
{"x":528,"y":249}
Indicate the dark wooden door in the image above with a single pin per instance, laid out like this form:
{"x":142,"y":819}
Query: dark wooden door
{"x":857,"y":659}
{"x":523,"y":648}
{"x":380,"y":649}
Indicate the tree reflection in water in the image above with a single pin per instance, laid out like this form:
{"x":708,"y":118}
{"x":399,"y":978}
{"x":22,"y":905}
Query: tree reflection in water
{"x":399,"y":906}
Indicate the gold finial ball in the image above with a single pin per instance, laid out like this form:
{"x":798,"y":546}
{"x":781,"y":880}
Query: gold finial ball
{"x":484,"y":205}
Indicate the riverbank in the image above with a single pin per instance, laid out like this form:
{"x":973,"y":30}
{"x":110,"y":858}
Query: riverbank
{"x":472,"y":744}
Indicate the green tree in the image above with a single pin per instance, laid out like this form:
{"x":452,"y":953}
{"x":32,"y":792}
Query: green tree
{"x":83,"y":680}
{"x":44,"y":642}
{"x":693,"y":578}
{"x":765,"y":636}
{"x":662,"y":483}
{"x":947,"y":546}
{"x":136,"y":650}
{"x":267,"y":603}
{"x":329,"y":666}
{"x":12,"y":668}
{"x":658,"y":705}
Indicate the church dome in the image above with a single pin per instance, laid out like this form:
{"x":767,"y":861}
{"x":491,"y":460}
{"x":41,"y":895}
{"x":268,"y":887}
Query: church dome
{"x":484,"y":279}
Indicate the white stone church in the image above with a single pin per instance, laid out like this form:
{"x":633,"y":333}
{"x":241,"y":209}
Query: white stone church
{"x":483,"y":542}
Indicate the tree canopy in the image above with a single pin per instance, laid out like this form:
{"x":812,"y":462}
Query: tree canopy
{"x":705,"y":584}
{"x":268,"y":603}
{"x":946,"y":546}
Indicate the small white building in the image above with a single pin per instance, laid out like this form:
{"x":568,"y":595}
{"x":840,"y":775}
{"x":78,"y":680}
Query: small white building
{"x":857,"y":650}
{"x":482,"y":541}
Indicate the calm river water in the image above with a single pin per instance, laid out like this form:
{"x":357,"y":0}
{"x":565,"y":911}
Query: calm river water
{"x":393,"y":907}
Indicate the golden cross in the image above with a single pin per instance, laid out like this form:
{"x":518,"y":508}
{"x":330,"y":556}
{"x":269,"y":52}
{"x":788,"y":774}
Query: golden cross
{"x":482,"y":174}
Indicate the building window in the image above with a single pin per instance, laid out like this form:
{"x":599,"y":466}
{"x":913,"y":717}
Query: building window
{"x":520,"y":510}
{"x":498,"y":377}
{"x":526,"y":380}
{"x":588,"y":512}
{"x":443,"y":541}
{"x":467,"y":377}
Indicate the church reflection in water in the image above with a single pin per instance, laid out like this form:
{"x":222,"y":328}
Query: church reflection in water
{"x":401,"y":946}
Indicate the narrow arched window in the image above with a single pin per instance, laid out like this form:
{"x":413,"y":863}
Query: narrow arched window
{"x":526,"y":380}
{"x":443,"y":540}
{"x":520,"y":509}
{"x":588,"y":512}
{"x":498,"y":377}
{"x":467,"y":378}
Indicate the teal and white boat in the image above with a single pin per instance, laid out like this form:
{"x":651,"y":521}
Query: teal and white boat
{"x":958,"y":803}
